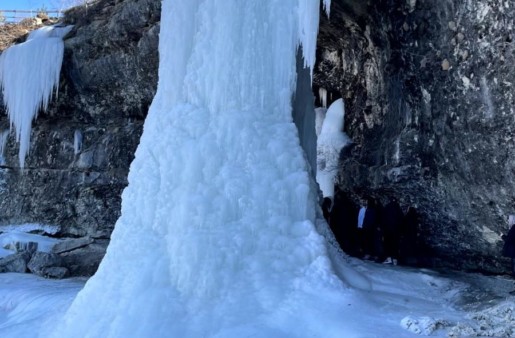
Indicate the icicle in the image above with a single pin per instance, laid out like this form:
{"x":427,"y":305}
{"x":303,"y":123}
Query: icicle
{"x":3,"y":145}
{"x":29,"y":73}
{"x":322,"y":93}
{"x":308,"y":29}
{"x":327,"y":7}
{"x":77,"y":142}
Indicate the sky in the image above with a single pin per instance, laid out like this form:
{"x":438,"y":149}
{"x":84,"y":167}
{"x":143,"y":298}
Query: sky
{"x":27,"y":4}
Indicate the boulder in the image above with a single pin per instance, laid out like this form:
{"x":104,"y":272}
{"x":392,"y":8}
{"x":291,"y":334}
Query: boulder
{"x":56,"y":272}
{"x":71,"y":244}
{"x":29,"y":247}
{"x":42,"y":260}
{"x":84,"y":261}
{"x":15,"y":263}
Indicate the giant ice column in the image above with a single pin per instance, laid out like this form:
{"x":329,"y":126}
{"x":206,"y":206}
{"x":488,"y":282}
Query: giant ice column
{"x":217,"y":236}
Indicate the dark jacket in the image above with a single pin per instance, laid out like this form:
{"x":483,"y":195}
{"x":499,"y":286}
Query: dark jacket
{"x":508,"y":249}
{"x":392,"y":217}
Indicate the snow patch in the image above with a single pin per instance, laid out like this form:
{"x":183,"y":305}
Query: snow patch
{"x":424,"y":326}
{"x":31,"y":227}
{"x":9,"y":241}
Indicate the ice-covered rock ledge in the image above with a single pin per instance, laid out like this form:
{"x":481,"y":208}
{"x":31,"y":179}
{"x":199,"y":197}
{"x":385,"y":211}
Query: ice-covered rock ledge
{"x":47,"y":256}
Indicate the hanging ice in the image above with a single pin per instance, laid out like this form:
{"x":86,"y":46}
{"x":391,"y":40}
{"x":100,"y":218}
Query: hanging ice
{"x":29,"y":73}
{"x":77,"y":142}
{"x":329,"y":144}
{"x":322,"y":93}
{"x":217,"y":234}
{"x":4,"y":134}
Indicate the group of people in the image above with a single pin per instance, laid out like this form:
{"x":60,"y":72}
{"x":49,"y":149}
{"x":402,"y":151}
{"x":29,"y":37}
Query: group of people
{"x":384,"y":233}
{"x":373,"y":231}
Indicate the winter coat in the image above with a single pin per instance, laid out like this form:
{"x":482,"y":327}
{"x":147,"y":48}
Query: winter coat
{"x":392,"y":217}
{"x":508,"y":249}
{"x":371,"y":220}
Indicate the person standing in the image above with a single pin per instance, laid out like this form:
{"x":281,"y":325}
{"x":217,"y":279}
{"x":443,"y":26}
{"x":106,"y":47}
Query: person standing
{"x":371,"y":230}
{"x":391,"y":224}
{"x":508,"y":249}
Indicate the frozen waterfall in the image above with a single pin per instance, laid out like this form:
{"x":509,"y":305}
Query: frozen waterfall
{"x":29,"y":74}
{"x":217,"y":235}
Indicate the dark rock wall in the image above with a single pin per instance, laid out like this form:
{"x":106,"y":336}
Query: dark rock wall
{"x":428,"y":95}
{"x":428,"y":90}
{"x":108,"y":81}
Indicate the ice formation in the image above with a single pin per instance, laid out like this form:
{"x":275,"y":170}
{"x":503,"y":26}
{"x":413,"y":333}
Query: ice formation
{"x":4,"y":134}
{"x":329,"y":144}
{"x":217,"y":234}
{"x":322,"y":93}
{"x":77,"y":142}
{"x":29,"y":74}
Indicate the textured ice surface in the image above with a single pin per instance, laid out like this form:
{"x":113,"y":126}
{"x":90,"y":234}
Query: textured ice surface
{"x":29,"y":74}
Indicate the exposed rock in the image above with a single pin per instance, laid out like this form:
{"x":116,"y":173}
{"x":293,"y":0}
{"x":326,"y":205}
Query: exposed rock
{"x":84,"y":261}
{"x":29,"y":247}
{"x":81,"y":148}
{"x":40,"y":261}
{"x":55,"y":272}
{"x":435,"y":134}
{"x":71,"y":244}
{"x":440,"y":140}
{"x":15,"y":263}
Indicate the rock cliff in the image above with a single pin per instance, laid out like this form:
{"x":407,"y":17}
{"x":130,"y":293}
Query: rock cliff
{"x":81,"y":148}
{"x":429,"y":107}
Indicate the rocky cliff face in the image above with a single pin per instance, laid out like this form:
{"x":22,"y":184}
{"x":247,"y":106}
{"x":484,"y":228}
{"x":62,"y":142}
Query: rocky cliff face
{"x":428,"y":95}
{"x":429,"y":104}
{"x":81,"y":148}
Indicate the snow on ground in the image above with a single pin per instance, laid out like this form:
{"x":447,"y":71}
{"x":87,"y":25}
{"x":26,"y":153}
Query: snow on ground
{"x":31,"y":305}
{"x":10,"y":235}
{"x":8,"y":242}
{"x":31,"y":227}
{"x":402,"y":302}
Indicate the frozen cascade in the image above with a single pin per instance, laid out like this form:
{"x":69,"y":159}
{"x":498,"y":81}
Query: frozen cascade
{"x":329,"y":144}
{"x":29,"y":73}
{"x":217,"y":233}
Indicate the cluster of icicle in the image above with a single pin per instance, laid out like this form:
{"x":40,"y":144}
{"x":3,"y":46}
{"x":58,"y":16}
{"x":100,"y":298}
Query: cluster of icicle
{"x":29,"y":76}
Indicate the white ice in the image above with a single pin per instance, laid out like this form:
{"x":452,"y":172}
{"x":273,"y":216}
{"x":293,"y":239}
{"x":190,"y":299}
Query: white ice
{"x":8,"y":242}
{"x":77,"y":142}
{"x":330,"y":142}
{"x":29,"y":75}
{"x":217,"y":222}
{"x":31,"y":227}
{"x":401,"y":302}
{"x":322,"y":93}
